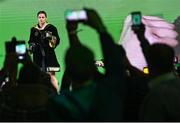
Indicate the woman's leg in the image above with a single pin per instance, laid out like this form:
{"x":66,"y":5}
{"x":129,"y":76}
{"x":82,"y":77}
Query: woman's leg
{"x":54,"y":80}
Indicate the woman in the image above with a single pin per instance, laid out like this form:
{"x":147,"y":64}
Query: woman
{"x":43,"y":40}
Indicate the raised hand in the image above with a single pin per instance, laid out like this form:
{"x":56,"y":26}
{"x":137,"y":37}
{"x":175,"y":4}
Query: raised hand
{"x":157,"y":30}
{"x":94,"y":20}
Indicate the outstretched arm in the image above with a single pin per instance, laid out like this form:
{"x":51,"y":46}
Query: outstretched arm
{"x":71,"y":27}
{"x":140,"y":32}
{"x":113,"y":54}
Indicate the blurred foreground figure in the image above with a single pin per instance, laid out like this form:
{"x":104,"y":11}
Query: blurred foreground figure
{"x":157,"y":31}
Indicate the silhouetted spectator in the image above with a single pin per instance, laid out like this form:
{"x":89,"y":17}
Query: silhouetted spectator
{"x":137,"y":89}
{"x":110,"y":94}
{"x":9,"y":71}
{"x":26,"y":101}
{"x":72,"y":29}
{"x":74,"y":105}
{"x":162,"y":103}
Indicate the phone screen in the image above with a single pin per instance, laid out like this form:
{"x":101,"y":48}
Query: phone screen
{"x":20,"y":49}
{"x":76,"y":15}
{"x":136,"y":18}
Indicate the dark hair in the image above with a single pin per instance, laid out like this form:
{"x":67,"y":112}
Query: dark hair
{"x":161,"y":57}
{"x":80,"y":63}
{"x":42,"y":12}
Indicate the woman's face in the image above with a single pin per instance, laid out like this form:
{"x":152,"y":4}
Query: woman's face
{"x":41,"y":18}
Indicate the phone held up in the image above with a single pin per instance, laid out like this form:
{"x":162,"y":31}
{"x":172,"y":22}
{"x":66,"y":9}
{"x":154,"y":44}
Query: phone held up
{"x":136,"y":19}
{"x":18,"y":47}
{"x":76,"y":15}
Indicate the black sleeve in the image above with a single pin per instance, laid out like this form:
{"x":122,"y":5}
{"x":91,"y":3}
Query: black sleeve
{"x":113,"y":55}
{"x":74,"y":39}
{"x":145,"y":45}
{"x":55,"y":33}
{"x":31,"y":37}
{"x":31,"y":42}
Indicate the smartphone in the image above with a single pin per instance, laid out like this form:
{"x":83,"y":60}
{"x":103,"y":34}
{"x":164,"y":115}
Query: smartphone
{"x":76,"y":15}
{"x":20,"y":49}
{"x":136,"y":18}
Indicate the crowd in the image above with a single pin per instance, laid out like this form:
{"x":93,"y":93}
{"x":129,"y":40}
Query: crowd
{"x":123,"y":93}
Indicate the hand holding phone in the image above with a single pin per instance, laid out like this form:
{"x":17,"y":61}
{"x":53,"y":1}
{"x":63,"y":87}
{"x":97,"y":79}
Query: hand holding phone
{"x":137,"y":26}
{"x":17,"y":47}
{"x":136,"y":21}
